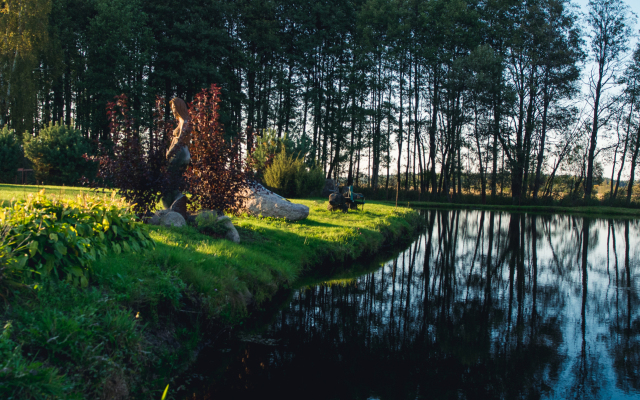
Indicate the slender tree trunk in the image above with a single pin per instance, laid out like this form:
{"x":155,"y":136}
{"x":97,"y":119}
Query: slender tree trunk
{"x":432,"y":133}
{"x":483,"y":182}
{"x":409,"y":125}
{"x":543,"y":135}
{"x":353,"y":134}
{"x":494,"y":148}
{"x":634,"y":159}
{"x":416,"y":131}
{"x":400,"y":127}
{"x":626,"y":146}
{"x":588,"y":185}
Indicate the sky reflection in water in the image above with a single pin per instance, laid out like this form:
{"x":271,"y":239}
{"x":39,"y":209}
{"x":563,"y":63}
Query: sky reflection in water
{"x":481,"y":305}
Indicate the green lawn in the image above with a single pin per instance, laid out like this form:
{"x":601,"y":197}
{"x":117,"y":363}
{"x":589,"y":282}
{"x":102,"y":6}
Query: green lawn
{"x":10,"y":193}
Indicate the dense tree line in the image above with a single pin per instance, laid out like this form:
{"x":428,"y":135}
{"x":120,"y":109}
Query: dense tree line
{"x":423,"y":95}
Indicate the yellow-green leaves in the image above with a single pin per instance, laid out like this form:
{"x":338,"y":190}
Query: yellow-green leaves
{"x":65,"y":237}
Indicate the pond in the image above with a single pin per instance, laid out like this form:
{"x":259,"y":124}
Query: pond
{"x":481,"y":305}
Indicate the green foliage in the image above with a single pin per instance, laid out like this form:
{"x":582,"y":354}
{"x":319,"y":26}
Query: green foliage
{"x":267,"y":147}
{"x":309,"y":181}
{"x":88,"y":343}
{"x":13,"y":260}
{"x":207,"y":222}
{"x":11,"y":155}
{"x":57,"y":155}
{"x":26,"y":38}
{"x":290,"y":177}
{"x":80,"y":333}
{"x":67,"y":236}
{"x":23,"y":378}
{"x":280,"y":175}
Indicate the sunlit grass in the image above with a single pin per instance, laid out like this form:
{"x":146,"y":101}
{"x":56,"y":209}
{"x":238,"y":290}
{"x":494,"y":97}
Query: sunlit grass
{"x":272,"y":252}
{"x":10,"y":193}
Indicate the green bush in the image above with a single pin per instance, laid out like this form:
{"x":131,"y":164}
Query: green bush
{"x":13,"y":260}
{"x":65,"y":237}
{"x":207,"y":222}
{"x":309,"y":181}
{"x":266,"y":149}
{"x":290,"y":177}
{"x":11,"y":155}
{"x":57,"y":155}
{"x":281,"y":174}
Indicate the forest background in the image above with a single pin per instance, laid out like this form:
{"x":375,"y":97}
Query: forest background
{"x":462,"y":100}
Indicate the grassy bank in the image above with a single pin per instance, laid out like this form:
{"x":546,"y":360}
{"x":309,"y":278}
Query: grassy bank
{"x":142,"y":317}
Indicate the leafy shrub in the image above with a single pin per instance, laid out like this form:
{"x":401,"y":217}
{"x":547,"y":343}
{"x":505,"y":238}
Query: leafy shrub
{"x":281,"y":174}
{"x":11,"y":155}
{"x":217,"y":173}
{"x":309,"y":181}
{"x":268,"y":145}
{"x":13,"y":259}
{"x":289,"y":176}
{"x":207,"y":222}
{"x":139,"y":175}
{"x":66,"y":236}
{"x":57,"y":155}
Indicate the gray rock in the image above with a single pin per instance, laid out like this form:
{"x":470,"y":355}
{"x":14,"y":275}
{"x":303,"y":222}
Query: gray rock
{"x":172,"y":218}
{"x":259,"y":201}
{"x":157,"y":217}
{"x":232,"y":232}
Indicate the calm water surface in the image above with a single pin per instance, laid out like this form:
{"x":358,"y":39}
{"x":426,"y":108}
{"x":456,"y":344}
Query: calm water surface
{"x":481,"y":305}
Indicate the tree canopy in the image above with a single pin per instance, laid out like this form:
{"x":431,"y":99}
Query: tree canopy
{"x":434,"y":96}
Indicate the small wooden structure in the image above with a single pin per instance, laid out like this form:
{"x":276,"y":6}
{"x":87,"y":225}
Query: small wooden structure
{"x":22,"y":171}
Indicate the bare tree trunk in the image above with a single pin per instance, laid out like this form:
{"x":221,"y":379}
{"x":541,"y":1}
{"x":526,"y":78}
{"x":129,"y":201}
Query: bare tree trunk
{"x":634,"y":159}
{"x":626,"y":142}
{"x":400,"y":127}
{"x":588,"y":186}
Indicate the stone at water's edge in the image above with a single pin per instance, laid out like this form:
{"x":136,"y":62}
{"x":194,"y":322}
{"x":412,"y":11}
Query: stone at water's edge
{"x":329,"y":187}
{"x":232,"y":232}
{"x":167,"y":218}
{"x":262,"y":202}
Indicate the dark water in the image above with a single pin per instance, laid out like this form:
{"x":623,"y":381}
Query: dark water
{"x":481,"y":305}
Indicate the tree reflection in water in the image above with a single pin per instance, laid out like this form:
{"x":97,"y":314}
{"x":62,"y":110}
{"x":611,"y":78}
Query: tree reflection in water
{"x":481,"y":305}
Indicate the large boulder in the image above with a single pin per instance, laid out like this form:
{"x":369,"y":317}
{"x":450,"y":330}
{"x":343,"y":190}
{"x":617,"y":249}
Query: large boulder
{"x":329,"y":187}
{"x":259,"y":201}
{"x":167,"y":218}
